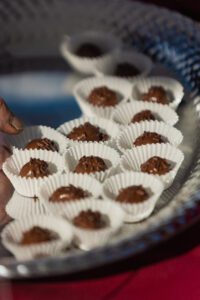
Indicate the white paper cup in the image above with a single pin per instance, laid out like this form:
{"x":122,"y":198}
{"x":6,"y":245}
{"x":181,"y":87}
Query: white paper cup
{"x":13,"y":232}
{"x":29,"y":186}
{"x":107,"y":42}
{"x":139,"y":60}
{"x":110,"y":156}
{"x":85,"y":182}
{"x":106,"y":126}
{"x":83,"y":89}
{"x":124,"y":113}
{"x":134,"y":212}
{"x":19,"y":207}
{"x":89,"y":239}
{"x":36,"y":132}
{"x":173,"y":87}
{"x":127,"y":137}
{"x":132,"y":159}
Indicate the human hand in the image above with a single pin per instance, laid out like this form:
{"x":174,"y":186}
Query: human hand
{"x":11,"y":125}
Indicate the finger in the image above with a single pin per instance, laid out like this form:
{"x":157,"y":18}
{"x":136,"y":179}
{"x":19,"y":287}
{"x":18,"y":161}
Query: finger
{"x":8,"y":122}
{"x":4,"y":154}
{"x":6,"y":191}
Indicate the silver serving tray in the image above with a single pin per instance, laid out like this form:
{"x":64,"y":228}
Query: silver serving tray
{"x":169,"y":39}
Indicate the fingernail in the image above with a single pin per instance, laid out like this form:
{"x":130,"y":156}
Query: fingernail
{"x":16,"y":123}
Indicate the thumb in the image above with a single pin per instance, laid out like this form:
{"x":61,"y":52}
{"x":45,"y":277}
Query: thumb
{"x":8,"y":122}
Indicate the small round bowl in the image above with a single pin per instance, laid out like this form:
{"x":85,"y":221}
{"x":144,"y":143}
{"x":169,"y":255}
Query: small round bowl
{"x":107,"y":42}
{"x":142,"y":62}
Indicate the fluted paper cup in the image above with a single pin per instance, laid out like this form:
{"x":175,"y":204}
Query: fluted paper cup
{"x":134,"y":212}
{"x":19,"y":207}
{"x":86,"y":65}
{"x":85,"y":182}
{"x":83,"y":89}
{"x":29,"y":186}
{"x":139,"y":60}
{"x":110,"y":156}
{"x":123,"y":114}
{"x":132,"y":159}
{"x":13,"y":232}
{"x":173,"y":88}
{"x":127,"y":137}
{"x":106,"y":126}
{"x":36,"y":132}
{"x":87,"y":239}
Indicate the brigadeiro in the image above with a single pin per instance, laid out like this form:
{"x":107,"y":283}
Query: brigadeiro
{"x":90,"y":220}
{"x":35,"y":168}
{"x":149,"y":138}
{"x":89,"y":50}
{"x":103,"y":96}
{"x":68,"y":193}
{"x":156,"y":94}
{"x":132,"y":194}
{"x":144,"y":115}
{"x":87,"y":132}
{"x":90,"y":164}
{"x":43,"y":144}
{"x":38,"y":235}
{"x":126,"y":70}
{"x":156,"y":165}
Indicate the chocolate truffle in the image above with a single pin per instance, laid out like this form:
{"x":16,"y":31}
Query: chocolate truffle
{"x":38,"y":235}
{"x":149,"y":138}
{"x":89,"y":220}
{"x":144,"y":115}
{"x":35,"y":168}
{"x":156,"y":165}
{"x":67,"y":193}
{"x":90,"y":164}
{"x":126,"y":70}
{"x":89,"y":50}
{"x":132,"y":194}
{"x":43,"y":144}
{"x":156,"y":94}
{"x":87,"y":133}
{"x":103,"y":96}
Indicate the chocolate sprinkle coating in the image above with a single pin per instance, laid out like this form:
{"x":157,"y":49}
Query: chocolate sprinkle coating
{"x":89,"y":50}
{"x":103,"y":96}
{"x":87,"y":133}
{"x":156,"y":165}
{"x":144,"y":115}
{"x":38,"y":235}
{"x":89,"y":220}
{"x":90,"y":164}
{"x":35,"y":168}
{"x":132,"y":194}
{"x":68,"y":193}
{"x":43,"y":144}
{"x":156,"y":94}
{"x":149,"y":138}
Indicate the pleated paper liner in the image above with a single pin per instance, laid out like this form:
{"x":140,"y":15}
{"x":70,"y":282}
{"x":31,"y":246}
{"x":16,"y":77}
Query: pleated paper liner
{"x":19,"y":207}
{"x":106,"y":126}
{"x":127,"y":137}
{"x":87,"y":239}
{"x":139,"y":60}
{"x":83,"y":89}
{"x":13,"y":232}
{"x":86,"y":65}
{"x":123,"y":114}
{"x":173,"y":88}
{"x":29,"y":186}
{"x":132,"y":159}
{"x":110,"y":156}
{"x":83,"y":181}
{"x":134,"y":212}
{"x":36,"y":132}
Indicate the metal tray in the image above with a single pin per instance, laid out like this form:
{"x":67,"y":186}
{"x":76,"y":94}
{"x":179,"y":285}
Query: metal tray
{"x":32,"y":79}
